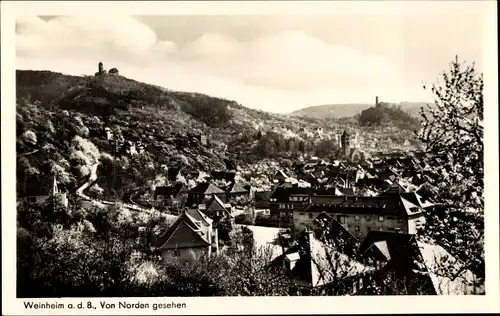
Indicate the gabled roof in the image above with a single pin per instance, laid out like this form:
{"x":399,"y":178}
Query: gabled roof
{"x":417,"y":199}
{"x":218,"y":204}
{"x":393,"y":246}
{"x":383,"y":248}
{"x":410,"y":208}
{"x":185,"y":232}
{"x":207,"y":188}
{"x":446,"y":272}
{"x":314,"y":268}
{"x":237,"y":187}
{"x":199,"y":216}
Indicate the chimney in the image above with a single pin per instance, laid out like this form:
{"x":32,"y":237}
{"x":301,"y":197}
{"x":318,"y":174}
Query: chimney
{"x":376,"y":101}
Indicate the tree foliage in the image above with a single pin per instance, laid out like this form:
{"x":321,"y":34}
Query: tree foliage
{"x":453,"y":129}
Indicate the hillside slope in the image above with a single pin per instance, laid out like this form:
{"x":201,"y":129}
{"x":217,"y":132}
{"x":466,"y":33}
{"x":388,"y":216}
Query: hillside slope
{"x":136,"y":130}
{"x":66,"y":123}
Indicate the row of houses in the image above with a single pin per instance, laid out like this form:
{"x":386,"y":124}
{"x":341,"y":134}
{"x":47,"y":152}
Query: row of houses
{"x":378,"y":232}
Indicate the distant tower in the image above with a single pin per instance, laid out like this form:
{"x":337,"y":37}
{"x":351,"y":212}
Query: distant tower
{"x":376,"y":101}
{"x":101,"y":68}
{"x":346,"y":143}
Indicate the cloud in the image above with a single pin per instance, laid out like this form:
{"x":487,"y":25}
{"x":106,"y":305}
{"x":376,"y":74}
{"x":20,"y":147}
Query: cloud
{"x":86,"y":36}
{"x":279,"y":72}
{"x":287,"y":60}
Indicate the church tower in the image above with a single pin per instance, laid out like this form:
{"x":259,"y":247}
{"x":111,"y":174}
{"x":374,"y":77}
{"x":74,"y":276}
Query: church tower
{"x":346,"y":143}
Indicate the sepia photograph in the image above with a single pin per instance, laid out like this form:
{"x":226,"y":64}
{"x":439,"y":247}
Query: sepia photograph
{"x":249,"y":155}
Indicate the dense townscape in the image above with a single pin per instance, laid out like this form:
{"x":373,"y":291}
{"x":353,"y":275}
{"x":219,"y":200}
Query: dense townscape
{"x":127,"y":189}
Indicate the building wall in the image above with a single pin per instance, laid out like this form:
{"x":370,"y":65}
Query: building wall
{"x":357,"y":225}
{"x":415,"y":222}
{"x":186,"y":253}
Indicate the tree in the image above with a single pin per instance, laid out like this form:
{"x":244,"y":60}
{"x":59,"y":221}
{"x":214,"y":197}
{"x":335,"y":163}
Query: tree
{"x":453,"y":129}
{"x":325,"y":148}
{"x":301,"y":146}
{"x":29,"y":137}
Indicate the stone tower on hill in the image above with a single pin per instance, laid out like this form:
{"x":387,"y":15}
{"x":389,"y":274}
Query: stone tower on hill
{"x":101,"y":70}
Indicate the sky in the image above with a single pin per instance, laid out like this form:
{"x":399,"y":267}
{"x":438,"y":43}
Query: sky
{"x":268,"y":62}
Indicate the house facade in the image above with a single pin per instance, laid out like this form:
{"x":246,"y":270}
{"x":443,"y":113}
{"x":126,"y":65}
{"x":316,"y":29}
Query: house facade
{"x":190,"y":237}
{"x":284,"y":200}
{"x":217,"y":210}
{"x":362,"y":214}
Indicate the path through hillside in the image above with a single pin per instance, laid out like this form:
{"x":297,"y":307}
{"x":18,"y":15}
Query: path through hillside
{"x":131,"y":205}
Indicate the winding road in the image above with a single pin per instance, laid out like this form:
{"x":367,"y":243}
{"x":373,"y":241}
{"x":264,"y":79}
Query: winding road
{"x":28,"y":153}
{"x":131,"y":205}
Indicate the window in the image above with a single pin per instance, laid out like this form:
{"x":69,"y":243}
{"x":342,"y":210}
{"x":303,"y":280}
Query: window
{"x":342,"y":219}
{"x":368,"y":228}
{"x":356,"y":217}
{"x":357,"y":228}
{"x":176,"y":252}
{"x":380,"y":218}
{"x":400,"y":220}
{"x":302,"y":214}
{"x":311,"y":215}
{"x":368,"y":218}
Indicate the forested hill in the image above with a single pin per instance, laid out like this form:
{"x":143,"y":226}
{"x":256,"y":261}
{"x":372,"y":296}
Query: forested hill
{"x":63,"y":122}
{"x":347,"y":110}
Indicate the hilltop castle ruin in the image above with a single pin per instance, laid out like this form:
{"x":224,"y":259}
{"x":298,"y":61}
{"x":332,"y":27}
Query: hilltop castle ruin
{"x":101,"y":71}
